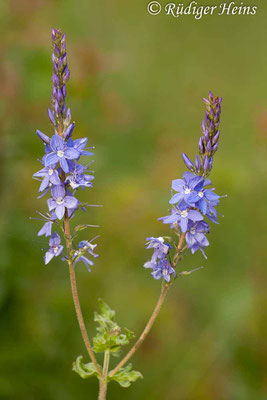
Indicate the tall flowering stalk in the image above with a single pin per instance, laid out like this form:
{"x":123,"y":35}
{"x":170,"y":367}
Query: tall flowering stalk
{"x":62,"y":175}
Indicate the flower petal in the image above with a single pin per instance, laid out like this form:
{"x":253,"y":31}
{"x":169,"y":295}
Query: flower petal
{"x":210,"y":195}
{"x":51,"y":204}
{"x":46,"y":229}
{"x":176,"y":198}
{"x":60,"y":211}
{"x":57,"y":143}
{"x":58,"y":191}
{"x":70,"y":202}
{"x":54,"y":178}
{"x":48,"y":256}
{"x":202,"y":205}
{"x":44,"y":184}
{"x":71,"y":154}
{"x":64,"y":164}
{"x":183,"y":224}
{"x":50,"y":159}
{"x":195,"y":215}
{"x":193,"y":197}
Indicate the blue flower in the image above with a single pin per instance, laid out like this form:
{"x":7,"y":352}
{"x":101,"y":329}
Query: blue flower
{"x":77,"y":178}
{"x":49,"y":175}
{"x":59,"y":202}
{"x":163,"y":269}
{"x":79,"y":145}
{"x":182,"y":216}
{"x":195,"y":237}
{"x":202,"y":197}
{"x":61,"y":152}
{"x":88,"y":246}
{"x":83,"y":247}
{"x":55,"y":248}
{"x":185,"y":187}
{"x":160,"y":250}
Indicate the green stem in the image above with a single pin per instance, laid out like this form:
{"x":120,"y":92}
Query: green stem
{"x":103,"y":381}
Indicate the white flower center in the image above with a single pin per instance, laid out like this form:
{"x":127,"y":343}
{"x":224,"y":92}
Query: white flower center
{"x":193,"y":231}
{"x":161,"y":239}
{"x":50,"y":172}
{"x":187,"y":191}
{"x":165,"y":272}
{"x":55,"y":249}
{"x":201,"y":194}
{"x":184,"y":214}
{"x":59,"y":201}
{"x":60,"y":153}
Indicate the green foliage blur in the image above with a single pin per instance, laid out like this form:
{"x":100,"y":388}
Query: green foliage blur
{"x":136,"y":86}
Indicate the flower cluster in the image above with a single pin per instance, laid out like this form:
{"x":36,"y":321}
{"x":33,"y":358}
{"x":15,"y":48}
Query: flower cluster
{"x":62,"y":174}
{"x":159,"y":262}
{"x":192,"y":198}
{"x":209,"y":140}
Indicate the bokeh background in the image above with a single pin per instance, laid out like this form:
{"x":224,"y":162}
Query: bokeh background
{"x":136,"y":86}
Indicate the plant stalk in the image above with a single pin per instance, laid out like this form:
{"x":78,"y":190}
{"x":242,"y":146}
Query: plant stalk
{"x":103,"y":381}
{"x":154,"y":314}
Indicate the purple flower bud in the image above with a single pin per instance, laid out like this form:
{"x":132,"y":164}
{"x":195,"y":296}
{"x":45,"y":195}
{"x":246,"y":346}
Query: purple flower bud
{"x":64,"y":59}
{"x":68,"y":131}
{"x":64,"y":90}
{"x":209,"y":147}
{"x":197,"y":163}
{"x":216,"y":138}
{"x":63,"y":109}
{"x":51,"y":116}
{"x":206,"y":135}
{"x":217,"y":117}
{"x":66,"y":76}
{"x":43,"y":137}
{"x":206,"y":163}
{"x":68,"y":116}
{"x":211,"y":126}
{"x":200,"y":145}
{"x":56,"y":108}
{"x":55,"y":80}
{"x":210,"y":163}
{"x":56,"y":50}
{"x":203,"y":126}
{"x":54,"y":92}
{"x":214,"y":148}
{"x":54,"y":58}
{"x":59,"y":96}
{"x":188,"y":162}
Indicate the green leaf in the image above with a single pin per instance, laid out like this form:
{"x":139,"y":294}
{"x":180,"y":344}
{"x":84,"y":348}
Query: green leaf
{"x":109,"y":336}
{"x":105,"y":310}
{"x":125,"y":376}
{"x":84,"y":370}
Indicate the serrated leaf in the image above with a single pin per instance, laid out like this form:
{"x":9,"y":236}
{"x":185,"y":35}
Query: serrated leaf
{"x":105,"y":310}
{"x":125,"y":376}
{"x":84,"y":370}
{"x":109,"y":336}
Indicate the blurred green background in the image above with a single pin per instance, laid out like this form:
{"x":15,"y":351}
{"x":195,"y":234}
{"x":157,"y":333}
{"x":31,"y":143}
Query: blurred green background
{"x":136,"y":86}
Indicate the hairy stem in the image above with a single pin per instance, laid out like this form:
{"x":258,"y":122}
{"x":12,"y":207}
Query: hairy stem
{"x":103,"y":381}
{"x":154,"y":314}
{"x":145,"y":331}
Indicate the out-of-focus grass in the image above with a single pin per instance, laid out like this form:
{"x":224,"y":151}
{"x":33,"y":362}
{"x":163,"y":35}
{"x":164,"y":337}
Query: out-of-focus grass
{"x":135,"y":90}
